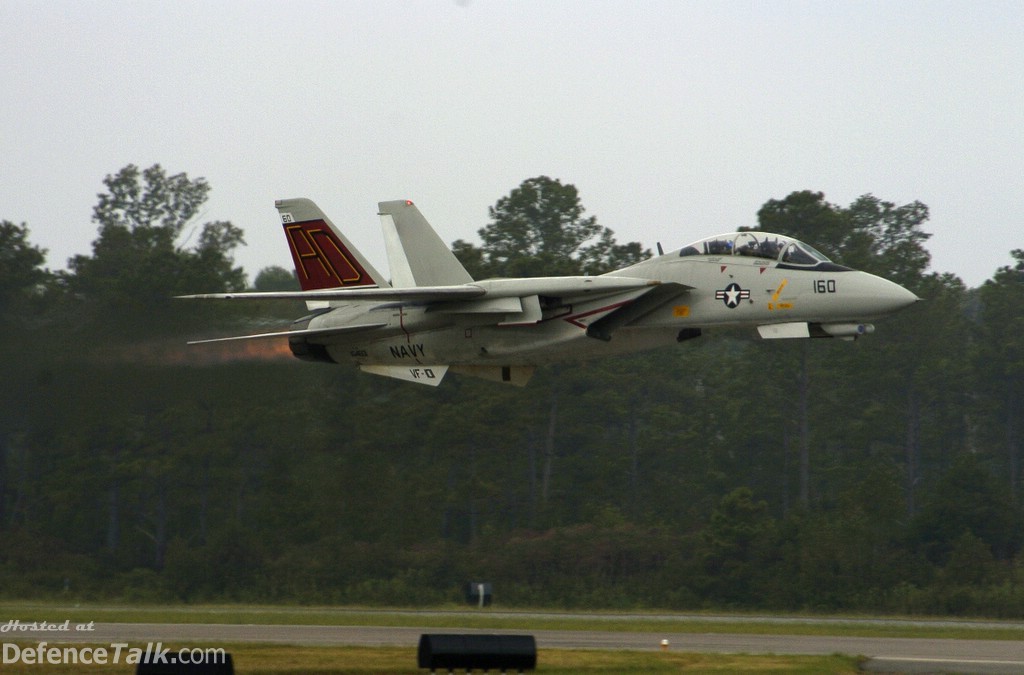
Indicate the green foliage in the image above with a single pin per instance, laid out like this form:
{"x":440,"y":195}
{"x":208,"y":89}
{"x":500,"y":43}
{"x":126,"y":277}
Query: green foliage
{"x":139,"y":260}
{"x":539,"y":230}
{"x":21,"y":274}
{"x":871,"y":234}
{"x":808,"y":217}
{"x":967,"y":501}
{"x":670,"y":479}
{"x":276,"y":278}
{"x":998,"y":361}
{"x":887,"y":239}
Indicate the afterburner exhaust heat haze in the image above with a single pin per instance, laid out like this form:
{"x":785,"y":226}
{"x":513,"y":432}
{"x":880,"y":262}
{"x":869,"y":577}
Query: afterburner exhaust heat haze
{"x":434,"y":318}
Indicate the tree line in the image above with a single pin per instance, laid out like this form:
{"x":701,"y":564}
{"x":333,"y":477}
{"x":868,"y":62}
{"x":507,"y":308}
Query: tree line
{"x":726,"y":472}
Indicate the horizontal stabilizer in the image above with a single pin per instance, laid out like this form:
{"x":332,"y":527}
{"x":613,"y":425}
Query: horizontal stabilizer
{"x":308,"y":332}
{"x":428,"y":375}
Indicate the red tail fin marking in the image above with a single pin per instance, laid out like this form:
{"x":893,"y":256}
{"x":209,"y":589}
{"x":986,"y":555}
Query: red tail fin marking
{"x":321,"y":260}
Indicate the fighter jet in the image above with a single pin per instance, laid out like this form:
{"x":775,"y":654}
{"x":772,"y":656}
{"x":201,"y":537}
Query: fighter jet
{"x":432,"y":317}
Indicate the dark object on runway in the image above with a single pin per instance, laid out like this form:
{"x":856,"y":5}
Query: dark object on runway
{"x":471,"y":651}
{"x":212,"y":664}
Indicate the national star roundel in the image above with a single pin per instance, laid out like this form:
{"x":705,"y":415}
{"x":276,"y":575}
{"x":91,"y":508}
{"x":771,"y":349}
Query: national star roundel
{"x":732,"y":295}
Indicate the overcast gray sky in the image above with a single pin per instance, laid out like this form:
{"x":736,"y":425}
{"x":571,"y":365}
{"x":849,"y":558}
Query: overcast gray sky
{"x":675,"y":119}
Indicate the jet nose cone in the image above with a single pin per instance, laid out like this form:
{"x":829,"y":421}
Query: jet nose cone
{"x":892,"y":297}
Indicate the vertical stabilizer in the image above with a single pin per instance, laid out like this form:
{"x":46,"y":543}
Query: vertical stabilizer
{"x":323,"y":256}
{"x":416,"y":255}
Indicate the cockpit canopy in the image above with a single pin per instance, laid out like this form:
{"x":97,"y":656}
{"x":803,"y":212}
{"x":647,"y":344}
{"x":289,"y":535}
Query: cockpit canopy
{"x":757,"y":245}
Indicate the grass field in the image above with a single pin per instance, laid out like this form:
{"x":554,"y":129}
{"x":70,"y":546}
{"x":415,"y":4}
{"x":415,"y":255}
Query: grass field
{"x":459,"y":617}
{"x":250,"y":658}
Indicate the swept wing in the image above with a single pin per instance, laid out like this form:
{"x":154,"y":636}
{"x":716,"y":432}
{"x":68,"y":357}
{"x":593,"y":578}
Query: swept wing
{"x":562,"y":287}
{"x":517,"y":300}
{"x":419,"y":294}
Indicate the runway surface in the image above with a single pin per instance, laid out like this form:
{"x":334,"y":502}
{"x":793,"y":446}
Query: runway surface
{"x":905,"y":655}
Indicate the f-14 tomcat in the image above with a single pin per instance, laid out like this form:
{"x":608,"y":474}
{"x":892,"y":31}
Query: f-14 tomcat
{"x":432,"y":317}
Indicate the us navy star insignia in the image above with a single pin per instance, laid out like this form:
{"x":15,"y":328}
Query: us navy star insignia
{"x":732,"y":295}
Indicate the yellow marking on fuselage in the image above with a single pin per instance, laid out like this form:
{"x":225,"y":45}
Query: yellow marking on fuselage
{"x":778,"y":291}
{"x":775,"y":304}
{"x":681,"y":311}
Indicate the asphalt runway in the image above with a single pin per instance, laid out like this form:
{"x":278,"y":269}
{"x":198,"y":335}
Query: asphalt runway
{"x":903,"y":655}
